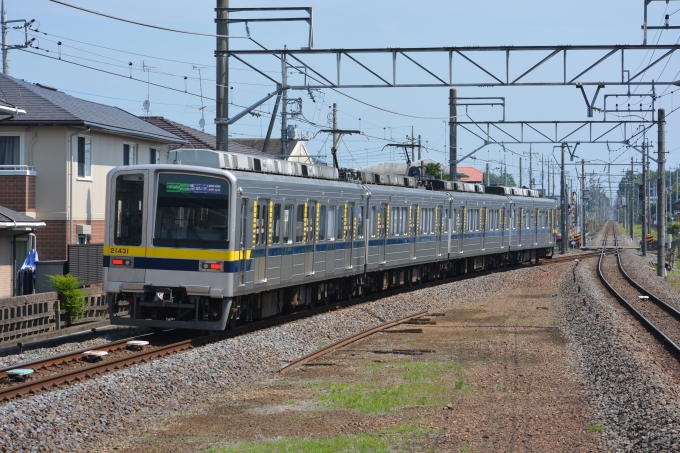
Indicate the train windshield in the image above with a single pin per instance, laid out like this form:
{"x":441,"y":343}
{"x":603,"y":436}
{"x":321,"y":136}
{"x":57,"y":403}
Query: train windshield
{"x":191,"y":211}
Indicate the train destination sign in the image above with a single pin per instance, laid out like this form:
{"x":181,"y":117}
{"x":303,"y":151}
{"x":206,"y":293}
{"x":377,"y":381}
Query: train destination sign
{"x":197,"y":188}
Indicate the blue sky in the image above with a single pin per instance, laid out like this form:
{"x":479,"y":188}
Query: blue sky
{"x":346,"y":24}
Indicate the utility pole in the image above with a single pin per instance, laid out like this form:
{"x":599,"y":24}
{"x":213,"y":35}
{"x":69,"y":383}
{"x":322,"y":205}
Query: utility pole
{"x":643,"y":234}
{"x":661,"y":205}
{"x":520,"y":173}
{"x":632,"y":200}
{"x":505,"y":172}
{"x":583,"y":202}
{"x":531,"y":173}
{"x":222,"y":74}
{"x":488,"y":175}
{"x":5,"y":59}
{"x":420,"y":148}
{"x":284,"y":106}
{"x":563,"y":214}
{"x":453,"y":136}
{"x":413,"y":145}
{"x":542,"y":175}
{"x":552,"y":166}
{"x":334,"y":148}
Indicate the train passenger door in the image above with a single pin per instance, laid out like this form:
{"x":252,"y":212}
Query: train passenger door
{"x":484,"y":212}
{"x":259,"y":240}
{"x":439,"y":226}
{"x":461,"y":228}
{"x":382,"y":231}
{"x":412,"y":229}
{"x":537,"y":220}
{"x":242,"y":242}
{"x":311,"y":234}
{"x":349,"y":234}
{"x":501,"y":226}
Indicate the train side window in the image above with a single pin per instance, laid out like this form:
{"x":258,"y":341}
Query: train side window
{"x":359,"y":213}
{"x":341,"y":222}
{"x":287,"y":220}
{"x":330,"y":233}
{"x":276,"y":223}
{"x":322,"y":223}
{"x":300,"y":221}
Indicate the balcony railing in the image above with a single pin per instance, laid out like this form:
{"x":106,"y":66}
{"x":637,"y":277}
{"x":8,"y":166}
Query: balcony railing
{"x":17,"y":170}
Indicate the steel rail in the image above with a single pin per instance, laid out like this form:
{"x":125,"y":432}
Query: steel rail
{"x":34,"y":386}
{"x":71,"y":355}
{"x":346,"y":341}
{"x":669,"y":344}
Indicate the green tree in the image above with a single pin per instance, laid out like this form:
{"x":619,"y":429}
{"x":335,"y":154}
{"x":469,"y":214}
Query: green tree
{"x":435,"y":170}
{"x":500,"y":179}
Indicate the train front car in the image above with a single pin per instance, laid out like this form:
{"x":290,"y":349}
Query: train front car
{"x":169,"y":249}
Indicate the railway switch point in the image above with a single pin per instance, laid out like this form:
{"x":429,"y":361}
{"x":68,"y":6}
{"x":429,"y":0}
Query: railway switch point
{"x":136,"y":345}
{"x":19,"y":374}
{"x":94,"y":356}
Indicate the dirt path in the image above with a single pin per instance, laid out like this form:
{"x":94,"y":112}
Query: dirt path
{"x":494,"y":376}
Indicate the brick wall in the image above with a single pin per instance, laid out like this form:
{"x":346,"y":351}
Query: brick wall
{"x":53,"y":238}
{"x":18,"y":193}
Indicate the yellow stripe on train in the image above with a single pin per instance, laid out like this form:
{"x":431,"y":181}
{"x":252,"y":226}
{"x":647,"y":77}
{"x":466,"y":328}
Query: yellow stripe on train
{"x":160,"y":252}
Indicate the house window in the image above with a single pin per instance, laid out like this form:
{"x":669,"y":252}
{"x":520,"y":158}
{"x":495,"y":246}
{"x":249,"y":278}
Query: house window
{"x":154,"y":156}
{"x":129,"y":154}
{"x":10,"y":150}
{"x":84,"y":157}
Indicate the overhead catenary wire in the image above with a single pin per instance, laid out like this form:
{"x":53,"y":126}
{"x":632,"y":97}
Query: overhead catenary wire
{"x":158,"y":27}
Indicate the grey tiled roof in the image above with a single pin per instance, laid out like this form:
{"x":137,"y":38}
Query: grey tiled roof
{"x":198,"y":139}
{"x":47,"y":106}
{"x":7,"y":215}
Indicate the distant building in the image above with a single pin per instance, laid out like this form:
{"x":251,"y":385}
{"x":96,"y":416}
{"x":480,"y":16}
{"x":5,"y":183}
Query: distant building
{"x":472,"y":175}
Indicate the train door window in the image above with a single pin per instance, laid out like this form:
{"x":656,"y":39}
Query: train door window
{"x":374,"y":222}
{"x":404,"y":221}
{"x":432,"y":221}
{"x":261,"y":230}
{"x":300,"y":221}
{"x":423,"y":221}
{"x":342,"y":213}
{"x":276,"y":224}
{"x":286,"y":223}
{"x":321,"y":228}
{"x":445,"y":221}
{"x":359,"y":217}
{"x":330,"y":231}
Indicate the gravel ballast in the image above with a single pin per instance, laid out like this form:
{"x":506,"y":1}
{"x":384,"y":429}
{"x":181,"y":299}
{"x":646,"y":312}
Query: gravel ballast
{"x":80,"y":417}
{"x":617,"y":360}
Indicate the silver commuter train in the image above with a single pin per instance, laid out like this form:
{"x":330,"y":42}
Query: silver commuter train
{"x":226,"y":237}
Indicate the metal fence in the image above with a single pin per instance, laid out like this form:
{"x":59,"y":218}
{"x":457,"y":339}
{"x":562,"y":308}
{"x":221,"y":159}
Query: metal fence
{"x":85,"y":261}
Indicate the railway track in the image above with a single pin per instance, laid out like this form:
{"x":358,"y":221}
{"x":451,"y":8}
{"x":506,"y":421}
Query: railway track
{"x":53,"y":373}
{"x":658,"y":317}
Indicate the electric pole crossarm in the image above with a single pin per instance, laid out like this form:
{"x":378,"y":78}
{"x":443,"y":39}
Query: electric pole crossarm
{"x":642,"y":152}
{"x":248,"y":110}
{"x":470,"y":154}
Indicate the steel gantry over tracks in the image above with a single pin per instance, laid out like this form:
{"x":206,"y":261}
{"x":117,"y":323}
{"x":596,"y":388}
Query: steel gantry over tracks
{"x":448,"y":66}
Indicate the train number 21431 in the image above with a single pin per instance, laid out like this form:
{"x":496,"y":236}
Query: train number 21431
{"x":118,"y":250}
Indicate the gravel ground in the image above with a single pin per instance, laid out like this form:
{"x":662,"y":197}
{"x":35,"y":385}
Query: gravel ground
{"x":103,"y":337}
{"x":641,"y":269}
{"x":80,"y":417}
{"x":635,"y":400}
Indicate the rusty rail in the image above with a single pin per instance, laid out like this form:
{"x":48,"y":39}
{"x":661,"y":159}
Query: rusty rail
{"x":346,"y":341}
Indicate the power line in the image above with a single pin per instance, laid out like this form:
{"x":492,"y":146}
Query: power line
{"x":158,"y":27}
